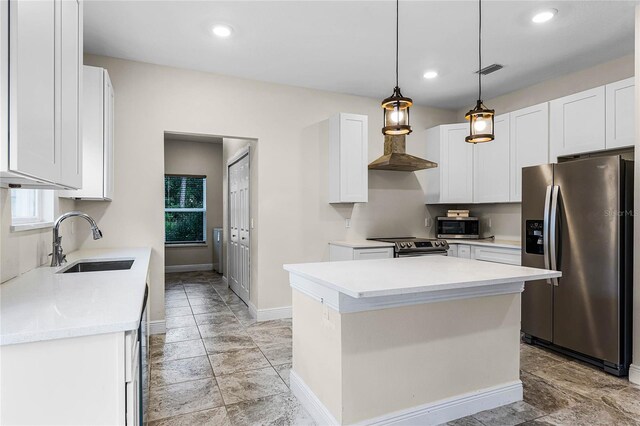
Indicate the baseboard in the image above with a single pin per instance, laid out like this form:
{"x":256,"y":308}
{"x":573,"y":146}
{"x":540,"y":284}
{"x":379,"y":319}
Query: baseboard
{"x":253,"y":310}
{"x":634,"y":374}
{"x":310,"y":401}
{"x":224,"y":279}
{"x":272,"y":313}
{"x":433,"y":413}
{"x":189,"y":268}
{"x":157,"y":327}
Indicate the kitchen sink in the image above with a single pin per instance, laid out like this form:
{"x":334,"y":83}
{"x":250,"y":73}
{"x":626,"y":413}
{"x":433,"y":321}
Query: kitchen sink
{"x":97,"y":266}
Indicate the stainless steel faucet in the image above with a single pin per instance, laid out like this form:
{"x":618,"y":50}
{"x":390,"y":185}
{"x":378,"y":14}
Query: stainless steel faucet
{"x":57,"y":256}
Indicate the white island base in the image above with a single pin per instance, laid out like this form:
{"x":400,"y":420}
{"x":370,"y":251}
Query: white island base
{"x":413,"y":341}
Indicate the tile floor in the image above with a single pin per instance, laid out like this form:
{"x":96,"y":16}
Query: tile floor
{"x":217,"y":366}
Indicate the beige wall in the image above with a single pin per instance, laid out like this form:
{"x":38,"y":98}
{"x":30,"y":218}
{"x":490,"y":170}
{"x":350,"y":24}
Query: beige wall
{"x":197,"y":158}
{"x":23,"y":251}
{"x":294,"y":221}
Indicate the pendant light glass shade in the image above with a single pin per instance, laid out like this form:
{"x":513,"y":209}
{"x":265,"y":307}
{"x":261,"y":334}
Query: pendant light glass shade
{"x":396,"y":107}
{"x":480,"y":124}
{"x":480,"y":118}
{"x":396,"y":114}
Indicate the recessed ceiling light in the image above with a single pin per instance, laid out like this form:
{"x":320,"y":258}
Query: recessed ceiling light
{"x":222,"y":31}
{"x":430,"y":74}
{"x":544,"y":16}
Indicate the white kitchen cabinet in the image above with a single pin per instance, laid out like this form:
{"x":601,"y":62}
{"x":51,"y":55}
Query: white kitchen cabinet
{"x":338,"y":252}
{"x":577,"y":123}
{"x":348,"y":158}
{"x":40,"y":86}
{"x":464,"y":251}
{"x":453,"y":250}
{"x":452,"y":180}
{"x":529,"y":141}
{"x":491,"y":165}
{"x":620,"y":110}
{"x":509,"y":256}
{"x":97,"y":135}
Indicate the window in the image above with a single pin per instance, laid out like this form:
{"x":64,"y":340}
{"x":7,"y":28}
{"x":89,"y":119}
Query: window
{"x":31,"y":208}
{"x":185,"y":209}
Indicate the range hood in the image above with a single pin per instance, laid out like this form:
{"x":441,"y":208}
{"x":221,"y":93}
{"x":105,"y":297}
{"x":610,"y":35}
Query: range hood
{"x":396,"y":158}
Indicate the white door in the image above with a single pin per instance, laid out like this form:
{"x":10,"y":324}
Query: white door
{"x":620,"y":108}
{"x":529,"y":141}
{"x":491,"y":165}
{"x":238,"y":248}
{"x":577,"y":123}
{"x":456,"y":164}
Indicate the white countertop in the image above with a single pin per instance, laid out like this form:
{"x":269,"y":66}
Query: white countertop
{"x":42,"y":305}
{"x":410,"y":275}
{"x":489,"y":243}
{"x":361,"y":244}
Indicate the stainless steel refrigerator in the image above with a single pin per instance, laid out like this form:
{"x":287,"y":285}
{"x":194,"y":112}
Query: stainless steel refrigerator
{"x":577,"y":218}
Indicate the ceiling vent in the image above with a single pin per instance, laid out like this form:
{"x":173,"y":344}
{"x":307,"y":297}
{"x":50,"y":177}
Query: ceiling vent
{"x":489,"y":69}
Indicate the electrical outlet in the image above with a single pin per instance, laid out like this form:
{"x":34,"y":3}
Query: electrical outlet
{"x":427,"y":222}
{"x":347,"y":223}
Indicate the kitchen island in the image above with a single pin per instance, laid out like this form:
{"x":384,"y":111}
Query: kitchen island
{"x":421,"y":340}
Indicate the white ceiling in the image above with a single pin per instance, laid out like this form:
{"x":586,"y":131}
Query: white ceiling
{"x":348,"y":46}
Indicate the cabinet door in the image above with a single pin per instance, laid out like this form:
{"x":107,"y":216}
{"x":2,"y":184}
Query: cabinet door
{"x":620,"y":107}
{"x":577,"y":123}
{"x":348,"y":158}
{"x":456,"y":174}
{"x":464,"y":251}
{"x":491,"y":171}
{"x":32,"y":63}
{"x":453,"y":250}
{"x":108,"y":137}
{"x":70,"y":30}
{"x":496,"y":254}
{"x":529,"y":141}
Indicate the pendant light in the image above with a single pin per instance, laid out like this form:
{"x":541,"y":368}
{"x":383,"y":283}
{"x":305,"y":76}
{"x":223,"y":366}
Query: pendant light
{"x":480,"y":118}
{"x":396,"y":107}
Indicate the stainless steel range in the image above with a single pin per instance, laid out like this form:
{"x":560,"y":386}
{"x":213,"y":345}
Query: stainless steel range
{"x":411,"y":246}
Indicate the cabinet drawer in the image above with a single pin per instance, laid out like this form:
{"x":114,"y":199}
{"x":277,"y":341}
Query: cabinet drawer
{"x":377,"y":253}
{"x":498,"y":255}
{"x":464,"y":251}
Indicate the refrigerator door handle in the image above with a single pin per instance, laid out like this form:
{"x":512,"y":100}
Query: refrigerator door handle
{"x":552,"y":231}
{"x":545,"y":229}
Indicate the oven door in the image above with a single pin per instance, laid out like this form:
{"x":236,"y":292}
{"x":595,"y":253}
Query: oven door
{"x":420,"y":254}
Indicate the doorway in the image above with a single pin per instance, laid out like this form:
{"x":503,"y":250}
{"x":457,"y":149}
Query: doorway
{"x":238,"y":246}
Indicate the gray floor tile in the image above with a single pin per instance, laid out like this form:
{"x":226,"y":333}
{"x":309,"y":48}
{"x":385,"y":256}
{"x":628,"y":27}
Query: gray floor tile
{"x":209,"y":307}
{"x":176,"y":303}
{"x":588,"y":413}
{"x":546,"y":397}
{"x":213,"y":417}
{"x":215,"y":317}
{"x":228,"y":342}
{"x":277,"y":354}
{"x":534,"y":358}
{"x":196,"y":301}
{"x":509,"y":415}
{"x":282,"y":410}
{"x":626,"y":401}
{"x":182,"y":321}
{"x":283,"y":371}
{"x":176,"y":312}
{"x":180,"y":370}
{"x":181,"y":334}
{"x":261,"y":325}
{"x":271,"y":335}
{"x":465,"y":421}
{"x":231,"y":326}
{"x":247,"y":385}
{"x":232,"y":362}
{"x":178,"y":350}
{"x":182,"y":398}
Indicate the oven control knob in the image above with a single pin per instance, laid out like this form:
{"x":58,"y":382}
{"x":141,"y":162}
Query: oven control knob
{"x":402,"y":245}
{"x":409,"y":244}
{"x":438,"y":243}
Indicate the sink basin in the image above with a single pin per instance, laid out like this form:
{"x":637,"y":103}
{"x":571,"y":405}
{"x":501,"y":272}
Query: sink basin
{"x":97,"y":266}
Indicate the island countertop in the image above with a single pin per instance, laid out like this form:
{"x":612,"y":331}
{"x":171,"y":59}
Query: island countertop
{"x":410,"y":275}
{"x":43,"y":305}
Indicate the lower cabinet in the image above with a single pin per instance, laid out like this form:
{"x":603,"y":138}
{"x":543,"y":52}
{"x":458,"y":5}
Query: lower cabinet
{"x":486,"y":253}
{"x":337,"y":253}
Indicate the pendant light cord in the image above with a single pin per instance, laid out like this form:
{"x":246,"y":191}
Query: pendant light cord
{"x":397,"y":36}
{"x":479,"y":49}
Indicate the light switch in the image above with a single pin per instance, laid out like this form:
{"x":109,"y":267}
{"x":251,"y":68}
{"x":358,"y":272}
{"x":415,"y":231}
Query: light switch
{"x":347,"y":223}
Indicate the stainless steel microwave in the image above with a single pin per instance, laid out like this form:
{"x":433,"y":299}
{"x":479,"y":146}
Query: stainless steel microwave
{"x":457,"y":227}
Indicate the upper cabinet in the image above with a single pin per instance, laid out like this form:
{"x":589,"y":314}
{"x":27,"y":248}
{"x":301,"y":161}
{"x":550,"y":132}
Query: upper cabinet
{"x":348,"y":158}
{"x":40,"y":86}
{"x":97,"y":137}
{"x":491,"y":171}
{"x":577,"y":123}
{"x":620,"y":107}
{"x":529,"y":141}
{"x":452,"y":180}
